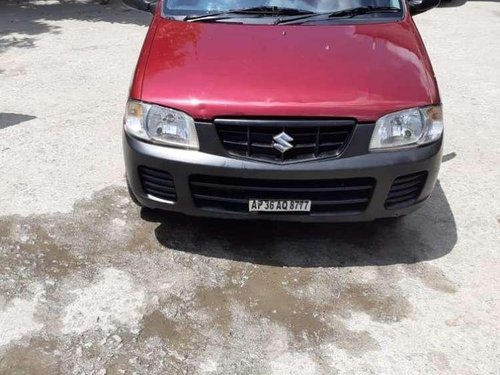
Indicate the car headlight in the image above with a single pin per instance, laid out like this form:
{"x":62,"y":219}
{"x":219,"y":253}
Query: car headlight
{"x":409,"y":128}
{"x":161,"y":125}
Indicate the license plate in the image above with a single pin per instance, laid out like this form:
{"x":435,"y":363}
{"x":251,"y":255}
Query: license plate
{"x":278,"y":205}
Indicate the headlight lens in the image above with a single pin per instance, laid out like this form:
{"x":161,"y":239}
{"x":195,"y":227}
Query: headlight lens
{"x":160,"y":125}
{"x":408,"y":128}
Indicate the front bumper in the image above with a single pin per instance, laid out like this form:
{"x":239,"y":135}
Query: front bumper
{"x":383,"y":167}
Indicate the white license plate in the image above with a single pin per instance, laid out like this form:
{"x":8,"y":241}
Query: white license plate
{"x":278,"y":205}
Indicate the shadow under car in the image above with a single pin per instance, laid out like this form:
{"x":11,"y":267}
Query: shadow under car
{"x":427,"y":234}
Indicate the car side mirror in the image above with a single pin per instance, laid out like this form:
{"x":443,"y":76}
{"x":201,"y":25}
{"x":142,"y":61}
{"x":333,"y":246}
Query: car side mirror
{"x":145,"y":5}
{"x":420,"y":6}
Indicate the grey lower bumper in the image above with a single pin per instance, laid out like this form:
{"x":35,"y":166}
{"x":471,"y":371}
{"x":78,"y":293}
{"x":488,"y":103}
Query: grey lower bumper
{"x":181,"y":164}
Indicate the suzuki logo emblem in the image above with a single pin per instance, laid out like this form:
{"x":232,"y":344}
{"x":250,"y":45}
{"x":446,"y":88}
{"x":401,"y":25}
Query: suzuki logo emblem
{"x":282,"y":142}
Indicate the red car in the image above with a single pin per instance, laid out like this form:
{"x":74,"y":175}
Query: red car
{"x":317,"y":111}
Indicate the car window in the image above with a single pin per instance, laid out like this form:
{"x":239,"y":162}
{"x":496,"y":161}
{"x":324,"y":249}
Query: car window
{"x":187,"y":7}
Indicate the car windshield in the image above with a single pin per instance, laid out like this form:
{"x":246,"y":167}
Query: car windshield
{"x":200,"y":7}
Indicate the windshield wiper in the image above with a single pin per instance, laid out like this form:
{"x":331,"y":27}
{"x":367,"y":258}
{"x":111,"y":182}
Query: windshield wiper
{"x":254,"y":11}
{"x":347,"y":13}
{"x":353,"y":12}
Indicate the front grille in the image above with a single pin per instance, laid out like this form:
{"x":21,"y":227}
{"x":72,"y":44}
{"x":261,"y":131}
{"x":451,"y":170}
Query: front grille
{"x":405,"y":190}
{"x":157,"y":183}
{"x":311,"y":139}
{"x":226,"y":194}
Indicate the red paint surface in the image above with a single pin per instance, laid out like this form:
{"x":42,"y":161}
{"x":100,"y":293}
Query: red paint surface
{"x":212,"y":70}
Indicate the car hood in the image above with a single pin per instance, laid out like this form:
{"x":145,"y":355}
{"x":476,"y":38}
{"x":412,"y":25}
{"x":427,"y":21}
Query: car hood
{"x":212,"y":70}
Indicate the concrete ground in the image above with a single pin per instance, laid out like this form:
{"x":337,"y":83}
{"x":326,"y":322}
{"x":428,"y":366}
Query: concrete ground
{"x":90,"y":284}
